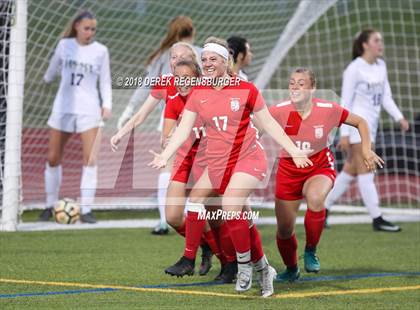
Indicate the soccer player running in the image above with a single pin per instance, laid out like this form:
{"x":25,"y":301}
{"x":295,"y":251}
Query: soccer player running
{"x":235,"y":159}
{"x":308,"y":121}
{"x":81,"y":61}
{"x":180,"y":29}
{"x":365,"y":91}
{"x":167,"y":90}
{"x":189,"y":165}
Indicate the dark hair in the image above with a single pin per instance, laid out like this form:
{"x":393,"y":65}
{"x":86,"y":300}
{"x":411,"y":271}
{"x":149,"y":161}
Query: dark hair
{"x":70,"y":30}
{"x":193,"y":65}
{"x":362,"y":37}
{"x":179,"y":28}
{"x":308,"y":72}
{"x":237,"y":45}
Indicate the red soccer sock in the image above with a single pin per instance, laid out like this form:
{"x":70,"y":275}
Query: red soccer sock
{"x":257,"y":251}
{"x":210,"y":239}
{"x":240,"y":234}
{"x":288,"y":250}
{"x":314,"y":224}
{"x":181,"y":229}
{"x":226,"y":243}
{"x":194,"y":228}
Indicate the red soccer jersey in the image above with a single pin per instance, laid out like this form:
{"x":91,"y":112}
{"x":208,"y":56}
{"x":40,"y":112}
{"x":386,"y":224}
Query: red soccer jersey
{"x":197,"y":142}
{"x":165,"y":89}
{"x":226,"y":115}
{"x":313,"y":132}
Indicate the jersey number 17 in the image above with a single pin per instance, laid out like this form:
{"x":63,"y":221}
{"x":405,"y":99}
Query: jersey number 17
{"x":76,"y":78}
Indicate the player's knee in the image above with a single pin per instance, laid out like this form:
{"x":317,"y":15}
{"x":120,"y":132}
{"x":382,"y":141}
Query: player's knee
{"x":174,"y":219}
{"x":53,"y":159}
{"x":89,"y":161}
{"x":315,"y":200}
{"x":196,"y":199}
{"x":285,"y":231}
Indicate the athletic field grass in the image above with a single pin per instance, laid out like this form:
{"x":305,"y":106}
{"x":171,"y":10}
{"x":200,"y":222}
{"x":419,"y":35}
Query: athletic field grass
{"x":123,"y":269}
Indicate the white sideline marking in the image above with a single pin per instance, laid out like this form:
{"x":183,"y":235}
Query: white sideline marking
{"x":149,"y":223}
{"x":150,"y":203}
{"x":351,"y":209}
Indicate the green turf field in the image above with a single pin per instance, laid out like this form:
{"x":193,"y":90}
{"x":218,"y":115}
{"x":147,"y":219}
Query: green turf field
{"x":86,"y":265}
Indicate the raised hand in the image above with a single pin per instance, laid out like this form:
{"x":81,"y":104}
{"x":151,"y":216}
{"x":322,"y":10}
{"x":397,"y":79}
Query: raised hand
{"x":158,"y":161}
{"x":372,"y":161}
{"x":301,"y":159}
{"x":115,"y":140}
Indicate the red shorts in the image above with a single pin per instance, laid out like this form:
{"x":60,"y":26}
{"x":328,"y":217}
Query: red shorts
{"x":184,"y":167}
{"x":290,"y":179}
{"x":254,"y":163}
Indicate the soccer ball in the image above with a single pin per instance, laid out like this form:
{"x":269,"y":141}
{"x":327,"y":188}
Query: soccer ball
{"x":66,"y":211}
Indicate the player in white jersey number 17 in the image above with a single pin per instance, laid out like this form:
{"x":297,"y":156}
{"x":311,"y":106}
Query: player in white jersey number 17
{"x":78,"y":108}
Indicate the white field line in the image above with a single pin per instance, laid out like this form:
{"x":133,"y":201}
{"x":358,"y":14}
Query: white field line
{"x":149,"y":223}
{"x":151,"y":203}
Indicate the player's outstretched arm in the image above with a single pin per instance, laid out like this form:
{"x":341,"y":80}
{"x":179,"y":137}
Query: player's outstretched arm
{"x":180,"y":135}
{"x":371,"y":159}
{"x":148,"y":106}
{"x":273,"y":128}
{"x":169,"y":125}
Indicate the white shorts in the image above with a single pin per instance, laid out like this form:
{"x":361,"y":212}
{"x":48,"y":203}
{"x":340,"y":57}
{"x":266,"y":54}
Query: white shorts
{"x":354,"y":137}
{"x":74,"y":123}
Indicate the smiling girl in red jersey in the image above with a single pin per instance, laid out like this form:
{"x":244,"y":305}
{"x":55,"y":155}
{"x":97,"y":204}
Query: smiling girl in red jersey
{"x":189,"y":165}
{"x":308,"y":121}
{"x":236,"y":161}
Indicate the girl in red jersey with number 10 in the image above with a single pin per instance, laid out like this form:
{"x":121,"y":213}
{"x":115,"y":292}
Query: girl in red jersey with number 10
{"x":308,"y":121}
{"x":236,"y":162}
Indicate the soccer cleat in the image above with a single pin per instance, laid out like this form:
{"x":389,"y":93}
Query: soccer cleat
{"x":227,"y":273}
{"x":88,"y":218}
{"x":206,"y":255}
{"x":219,"y":276}
{"x":161,"y":229}
{"x":311,"y":261}
{"x":266,"y":278}
{"x":244,"y":278}
{"x":326,"y":225}
{"x":45,"y":215}
{"x":184,"y":266}
{"x":379,"y":224}
{"x":288,"y":275}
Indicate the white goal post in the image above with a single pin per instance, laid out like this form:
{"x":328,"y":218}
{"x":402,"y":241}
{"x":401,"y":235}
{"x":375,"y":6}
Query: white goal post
{"x":12,"y":157}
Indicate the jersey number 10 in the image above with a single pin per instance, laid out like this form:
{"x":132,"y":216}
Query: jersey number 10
{"x":303,"y":145}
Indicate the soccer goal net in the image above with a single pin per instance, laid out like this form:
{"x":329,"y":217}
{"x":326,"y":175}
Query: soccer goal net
{"x":283,"y":34}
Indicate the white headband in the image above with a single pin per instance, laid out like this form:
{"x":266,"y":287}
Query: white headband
{"x":216,"y":48}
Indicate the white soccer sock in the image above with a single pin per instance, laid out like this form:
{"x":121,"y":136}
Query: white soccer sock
{"x":163,"y":182}
{"x":369,"y":193}
{"x":341,"y":184}
{"x":243,"y":258}
{"x":52,"y":176}
{"x":88,"y":187}
{"x":261,"y":264}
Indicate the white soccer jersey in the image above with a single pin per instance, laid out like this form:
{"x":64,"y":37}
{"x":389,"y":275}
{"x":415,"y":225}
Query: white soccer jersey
{"x":80,"y":67}
{"x":365,"y":90}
